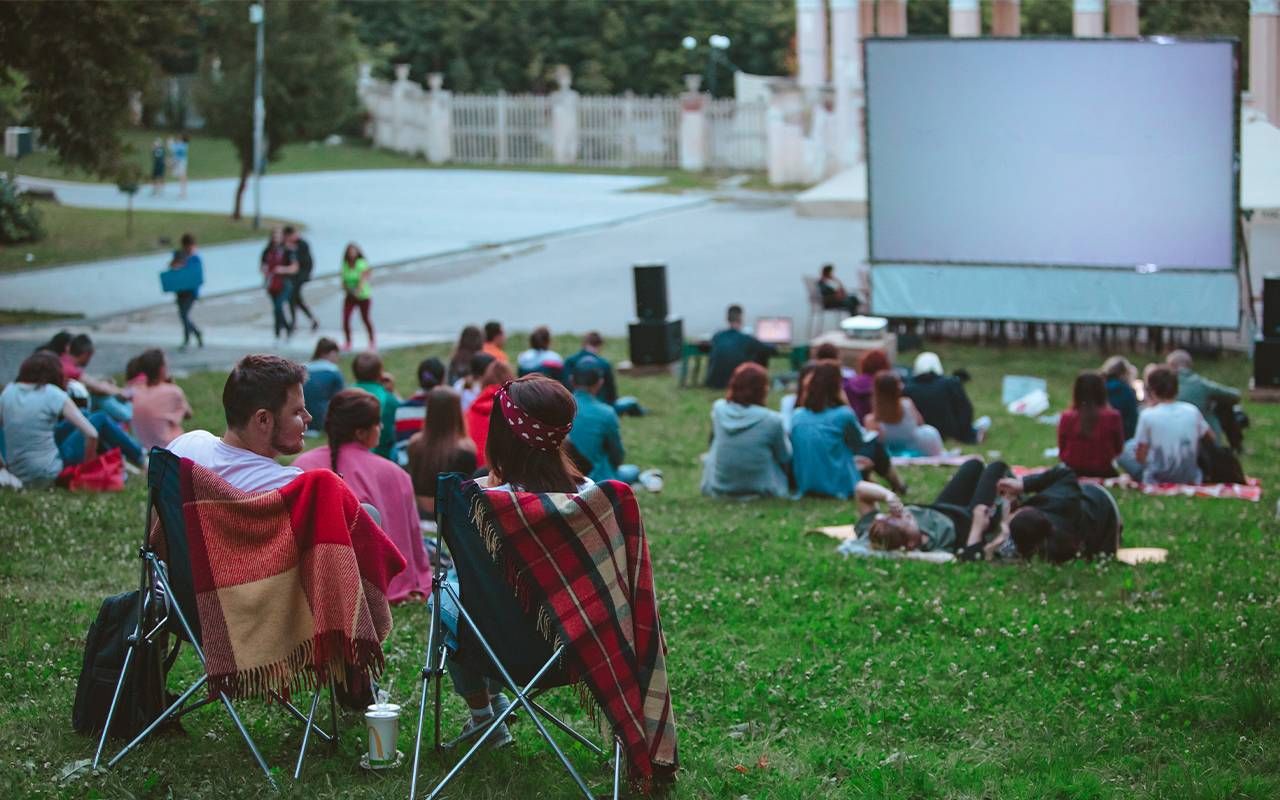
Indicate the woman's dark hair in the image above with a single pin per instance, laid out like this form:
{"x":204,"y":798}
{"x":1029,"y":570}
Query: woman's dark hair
{"x":148,"y":362}
{"x":1030,"y":529}
{"x":749,"y":385}
{"x":346,"y":253}
{"x":430,"y":373}
{"x":258,"y":381}
{"x":873,"y":361}
{"x":323,"y":348}
{"x":827,"y":352}
{"x":514,"y":462}
{"x":540,"y":339}
{"x":886,"y":397}
{"x":470,"y":342}
{"x":498,"y":373}
{"x":802,"y":383}
{"x":1088,"y":398}
{"x":443,"y":434}
{"x":57,"y":344}
{"x":479,"y":363}
{"x":42,"y":367}
{"x":350,"y":411}
{"x":1163,"y":383}
{"x":80,"y":344}
{"x":825,"y":388}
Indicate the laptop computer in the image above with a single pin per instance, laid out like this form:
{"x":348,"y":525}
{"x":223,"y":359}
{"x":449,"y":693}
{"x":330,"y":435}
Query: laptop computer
{"x":774,"y":330}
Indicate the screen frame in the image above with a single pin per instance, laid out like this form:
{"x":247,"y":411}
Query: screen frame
{"x":1159,"y":41}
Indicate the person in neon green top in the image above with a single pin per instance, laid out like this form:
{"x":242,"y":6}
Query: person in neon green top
{"x":355,"y":283}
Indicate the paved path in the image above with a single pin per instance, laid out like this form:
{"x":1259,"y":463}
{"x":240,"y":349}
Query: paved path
{"x":717,"y":254}
{"x":394,"y":215}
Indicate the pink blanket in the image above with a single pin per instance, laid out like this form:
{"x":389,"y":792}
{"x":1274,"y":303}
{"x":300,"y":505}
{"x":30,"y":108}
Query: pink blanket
{"x":1251,"y":490}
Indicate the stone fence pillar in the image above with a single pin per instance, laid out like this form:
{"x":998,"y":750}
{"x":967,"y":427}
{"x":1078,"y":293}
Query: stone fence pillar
{"x":846,"y":62}
{"x":1086,"y":19}
{"x":1122,"y":17}
{"x":784,"y":130}
{"x":439,"y":145}
{"x":693,"y":126}
{"x":1264,"y":58}
{"x":564,"y":119}
{"x":966,"y":21}
{"x":1006,"y":18}
{"x":399,"y":111}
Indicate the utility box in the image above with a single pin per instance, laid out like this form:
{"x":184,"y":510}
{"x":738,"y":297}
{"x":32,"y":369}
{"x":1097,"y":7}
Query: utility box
{"x":18,"y":142}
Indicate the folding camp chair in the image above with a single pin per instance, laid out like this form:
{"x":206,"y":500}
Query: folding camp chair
{"x":169,"y":606}
{"x":495,"y":636}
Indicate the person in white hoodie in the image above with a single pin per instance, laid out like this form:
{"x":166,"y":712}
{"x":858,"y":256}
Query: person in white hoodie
{"x":750,"y":450}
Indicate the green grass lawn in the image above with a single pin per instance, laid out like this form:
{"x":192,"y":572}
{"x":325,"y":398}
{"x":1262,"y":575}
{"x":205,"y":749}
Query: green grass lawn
{"x":795,"y":673}
{"x":216,"y":158}
{"x":84,"y":234}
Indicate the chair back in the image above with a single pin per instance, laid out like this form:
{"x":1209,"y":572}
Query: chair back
{"x":811,"y":286}
{"x":488,"y":599}
{"x":164,"y":487}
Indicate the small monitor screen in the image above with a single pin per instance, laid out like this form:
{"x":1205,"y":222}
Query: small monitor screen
{"x":774,"y":330}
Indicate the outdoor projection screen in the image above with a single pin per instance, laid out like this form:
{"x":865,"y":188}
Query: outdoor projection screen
{"x":1053,"y":180}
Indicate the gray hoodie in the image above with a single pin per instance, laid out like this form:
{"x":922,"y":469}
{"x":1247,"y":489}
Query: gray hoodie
{"x":749,"y":449}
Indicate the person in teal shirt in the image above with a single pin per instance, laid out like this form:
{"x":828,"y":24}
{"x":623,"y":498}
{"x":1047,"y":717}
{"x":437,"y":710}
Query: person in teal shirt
{"x":367,"y":368}
{"x":596,"y":434}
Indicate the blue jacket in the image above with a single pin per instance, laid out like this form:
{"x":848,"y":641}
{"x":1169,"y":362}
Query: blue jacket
{"x":822,"y":452}
{"x":1122,"y":398}
{"x":749,"y":452}
{"x":597,"y":436}
{"x":324,"y":380}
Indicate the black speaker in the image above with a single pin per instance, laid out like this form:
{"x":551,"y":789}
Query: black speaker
{"x":651,"y":292}
{"x":656,"y":342}
{"x":1271,"y":307}
{"x":1266,"y":363}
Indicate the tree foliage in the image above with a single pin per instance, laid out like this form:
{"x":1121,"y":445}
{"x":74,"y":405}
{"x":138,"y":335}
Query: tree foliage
{"x":80,"y":61}
{"x":492,"y":45}
{"x":310,"y":73}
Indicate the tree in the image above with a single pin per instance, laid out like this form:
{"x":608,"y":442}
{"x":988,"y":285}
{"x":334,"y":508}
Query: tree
{"x":80,"y":61}
{"x":309,"y":79}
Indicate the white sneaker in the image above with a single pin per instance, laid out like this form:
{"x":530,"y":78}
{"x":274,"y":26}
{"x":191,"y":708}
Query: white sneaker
{"x":651,"y":479}
{"x":980,"y":427}
{"x":499,"y":738}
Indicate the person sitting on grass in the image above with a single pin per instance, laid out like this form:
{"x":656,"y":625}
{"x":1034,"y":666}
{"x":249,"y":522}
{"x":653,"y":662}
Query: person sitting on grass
{"x":104,"y":394}
{"x":469,"y":385}
{"x":828,"y":446}
{"x":324,"y":380}
{"x":900,"y":424}
{"x":597,"y":436}
{"x":266,"y":418}
{"x":495,"y":338}
{"x":859,"y":388}
{"x":159,"y":405}
{"x":470,"y":342}
{"x":411,"y":413}
{"x":731,"y":347}
{"x":592,"y":344}
{"x":1215,"y":401}
{"x":958,"y":519}
{"x":44,"y":430}
{"x":1166,"y":446}
{"x":750,"y":451}
{"x":1120,"y":375}
{"x":353,"y":426}
{"x":1090,"y":433}
{"x":369,"y":375}
{"x":441,"y":446}
{"x":496,"y":374}
{"x":540,"y":358}
{"x":943,"y":402}
{"x":1062,"y":519}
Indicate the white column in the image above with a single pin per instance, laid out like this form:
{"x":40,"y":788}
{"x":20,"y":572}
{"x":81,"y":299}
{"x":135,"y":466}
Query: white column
{"x":811,"y":43}
{"x":693,"y":126}
{"x":891,"y":17}
{"x":398,"y":110}
{"x":439,"y":120}
{"x":1087,"y":19}
{"x":846,"y":63}
{"x":1264,"y":58}
{"x":1006,"y":18}
{"x":564,"y":119}
{"x":1122,"y":18}
{"x":966,"y":21}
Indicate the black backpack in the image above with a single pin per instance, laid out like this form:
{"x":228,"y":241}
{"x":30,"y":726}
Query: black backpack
{"x":143,"y":696}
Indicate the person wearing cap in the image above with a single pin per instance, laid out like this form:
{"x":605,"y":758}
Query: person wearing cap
{"x":596,"y":432}
{"x":943,"y":402}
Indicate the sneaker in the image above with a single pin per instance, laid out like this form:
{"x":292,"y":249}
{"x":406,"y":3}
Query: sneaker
{"x":651,"y":479}
{"x":499,"y":738}
{"x":499,"y":703}
{"x":980,"y":427}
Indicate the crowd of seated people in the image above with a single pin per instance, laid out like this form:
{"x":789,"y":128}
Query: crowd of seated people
{"x":900,"y":424}
{"x":481,"y":408}
{"x":540,"y":358}
{"x":943,"y":402}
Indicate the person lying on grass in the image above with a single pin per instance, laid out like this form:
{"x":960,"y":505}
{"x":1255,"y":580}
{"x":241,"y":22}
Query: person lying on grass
{"x":1062,"y":519}
{"x":963,"y":507}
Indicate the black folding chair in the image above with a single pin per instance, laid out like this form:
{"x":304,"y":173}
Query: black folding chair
{"x":169,"y":607}
{"x":496,"y":637}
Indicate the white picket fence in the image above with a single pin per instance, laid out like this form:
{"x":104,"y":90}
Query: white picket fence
{"x":736,"y":135}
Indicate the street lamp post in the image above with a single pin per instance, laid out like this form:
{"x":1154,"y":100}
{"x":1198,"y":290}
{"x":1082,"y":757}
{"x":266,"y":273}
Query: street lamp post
{"x":716,"y":53}
{"x":259,"y":113}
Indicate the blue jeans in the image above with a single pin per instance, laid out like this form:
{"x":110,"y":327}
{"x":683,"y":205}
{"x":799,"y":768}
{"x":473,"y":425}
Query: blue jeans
{"x":71,"y":441}
{"x":118,"y":410}
{"x":280,"y":308}
{"x":628,"y":473}
{"x":465,"y":680}
{"x":185,"y":301}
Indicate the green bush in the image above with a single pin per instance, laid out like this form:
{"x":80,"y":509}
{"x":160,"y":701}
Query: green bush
{"x":19,"y":220}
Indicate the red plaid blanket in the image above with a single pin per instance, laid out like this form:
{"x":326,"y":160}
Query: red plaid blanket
{"x":290,"y":584}
{"x":583,"y":561}
{"x":1251,"y":490}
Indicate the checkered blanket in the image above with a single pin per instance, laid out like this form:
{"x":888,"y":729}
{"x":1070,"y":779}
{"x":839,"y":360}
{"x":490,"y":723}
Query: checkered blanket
{"x":1250,"y":490}
{"x":290,"y":584}
{"x":582,"y":561}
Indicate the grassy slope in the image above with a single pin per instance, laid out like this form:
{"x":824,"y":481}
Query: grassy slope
{"x":82,"y":234}
{"x":845,"y":678}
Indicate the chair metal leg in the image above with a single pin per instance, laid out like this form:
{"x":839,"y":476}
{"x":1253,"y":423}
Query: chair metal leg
{"x":333,"y":712}
{"x":306,"y":734}
{"x":564,"y":726}
{"x":432,"y":664}
{"x":617,"y":766}
{"x":158,"y":721}
{"x":253,"y":748}
{"x":297,"y":714}
{"x":417,"y":739}
{"x":111,"y":712}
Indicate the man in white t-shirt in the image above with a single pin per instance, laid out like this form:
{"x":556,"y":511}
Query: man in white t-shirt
{"x":266,"y":418}
{"x":1166,"y":446}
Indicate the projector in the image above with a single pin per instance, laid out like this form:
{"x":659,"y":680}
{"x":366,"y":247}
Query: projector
{"x":864,"y":327}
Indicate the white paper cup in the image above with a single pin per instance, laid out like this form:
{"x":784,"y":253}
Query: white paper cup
{"x":384,"y":731}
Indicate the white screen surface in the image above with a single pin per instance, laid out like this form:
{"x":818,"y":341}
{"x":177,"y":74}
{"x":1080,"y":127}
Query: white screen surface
{"x":1055,"y":153}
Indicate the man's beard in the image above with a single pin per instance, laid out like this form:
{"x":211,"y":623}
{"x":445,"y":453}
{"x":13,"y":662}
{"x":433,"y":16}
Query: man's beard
{"x":281,"y":445}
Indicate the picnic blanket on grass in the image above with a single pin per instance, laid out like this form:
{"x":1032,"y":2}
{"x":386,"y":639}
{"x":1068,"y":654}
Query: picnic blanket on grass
{"x":948,"y":459}
{"x":1250,"y":490}
{"x":582,"y":561}
{"x":290,"y":584}
{"x":851,"y":545}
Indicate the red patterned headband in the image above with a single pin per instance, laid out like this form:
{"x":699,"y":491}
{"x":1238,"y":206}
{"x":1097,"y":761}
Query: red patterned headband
{"x":526,"y":427}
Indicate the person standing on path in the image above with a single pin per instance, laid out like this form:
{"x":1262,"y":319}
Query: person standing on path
{"x":358,"y":294}
{"x":157,"y":167}
{"x":178,"y":150}
{"x":188,"y":258}
{"x":301,"y":254}
{"x":278,"y":267}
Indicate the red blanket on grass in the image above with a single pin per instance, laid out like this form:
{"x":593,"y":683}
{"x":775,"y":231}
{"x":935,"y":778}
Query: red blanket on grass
{"x":1250,"y":490}
{"x":290,"y":584}
{"x":583,"y":561}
